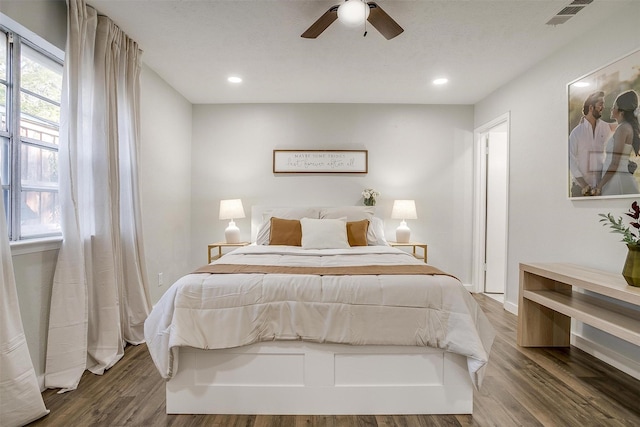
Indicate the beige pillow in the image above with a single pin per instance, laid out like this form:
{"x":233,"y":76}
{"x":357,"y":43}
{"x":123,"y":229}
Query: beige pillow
{"x":285,"y":232}
{"x":357,"y":232}
{"x":375,"y":235}
{"x":324,"y":233}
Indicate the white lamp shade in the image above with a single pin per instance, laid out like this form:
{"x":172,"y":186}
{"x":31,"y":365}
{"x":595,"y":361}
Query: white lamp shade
{"x":404,"y":209}
{"x":231,"y":209}
{"x":353,"y":13}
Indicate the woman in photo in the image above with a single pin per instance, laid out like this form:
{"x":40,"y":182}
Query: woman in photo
{"x":616,"y":178}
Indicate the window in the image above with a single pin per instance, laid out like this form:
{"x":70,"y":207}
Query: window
{"x":30,"y":93}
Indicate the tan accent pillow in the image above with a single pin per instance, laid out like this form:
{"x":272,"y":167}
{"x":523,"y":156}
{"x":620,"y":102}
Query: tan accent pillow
{"x":264,"y":231}
{"x":285,"y":232}
{"x":357,"y":232}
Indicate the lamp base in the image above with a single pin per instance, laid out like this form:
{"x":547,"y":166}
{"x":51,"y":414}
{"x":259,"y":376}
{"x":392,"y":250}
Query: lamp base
{"x":403,"y":233}
{"x":232,"y":233}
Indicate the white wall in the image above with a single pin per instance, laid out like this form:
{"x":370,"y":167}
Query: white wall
{"x":47,"y":18}
{"x":416,"y":152}
{"x":165,"y":180}
{"x":544,"y":225}
{"x":34,"y":277}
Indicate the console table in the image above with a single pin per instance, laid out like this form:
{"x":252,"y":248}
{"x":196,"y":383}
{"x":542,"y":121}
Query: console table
{"x":547,"y":302}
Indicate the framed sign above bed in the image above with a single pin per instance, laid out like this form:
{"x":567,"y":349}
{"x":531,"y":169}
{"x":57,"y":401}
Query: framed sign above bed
{"x":320,"y":161}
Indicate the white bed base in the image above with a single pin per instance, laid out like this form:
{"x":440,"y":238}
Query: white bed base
{"x":293,"y":377}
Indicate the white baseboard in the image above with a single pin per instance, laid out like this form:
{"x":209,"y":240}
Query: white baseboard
{"x":511,"y":307}
{"x":618,"y":361}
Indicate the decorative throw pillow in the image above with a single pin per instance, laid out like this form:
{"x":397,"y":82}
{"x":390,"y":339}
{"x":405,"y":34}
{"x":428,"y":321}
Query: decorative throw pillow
{"x":375,"y":233}
{"x":285,"y":232}
{"x":264,"y":231}
{"x":357,"y":232}
{"x":324,"y":233}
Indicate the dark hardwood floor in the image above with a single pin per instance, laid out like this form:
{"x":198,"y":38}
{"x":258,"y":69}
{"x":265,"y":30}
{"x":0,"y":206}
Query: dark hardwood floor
{"x":523,"y":387}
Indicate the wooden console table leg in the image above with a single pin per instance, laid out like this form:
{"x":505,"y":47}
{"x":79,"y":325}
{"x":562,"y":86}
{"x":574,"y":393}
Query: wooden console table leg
{"x":539,"y":326}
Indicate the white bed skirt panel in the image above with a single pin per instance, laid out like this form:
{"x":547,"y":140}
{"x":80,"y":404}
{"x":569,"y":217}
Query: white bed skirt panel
{"x":293,"y":377}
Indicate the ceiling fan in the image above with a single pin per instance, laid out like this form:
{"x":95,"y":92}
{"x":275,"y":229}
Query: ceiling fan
{"x":354,"y":13}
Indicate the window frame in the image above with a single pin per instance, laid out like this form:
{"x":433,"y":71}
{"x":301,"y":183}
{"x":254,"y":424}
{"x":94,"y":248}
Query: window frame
{"x":17,"y":37}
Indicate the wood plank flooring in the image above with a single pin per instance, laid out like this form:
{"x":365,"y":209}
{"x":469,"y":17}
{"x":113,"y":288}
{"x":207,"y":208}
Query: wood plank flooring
{"x":523,"y":387}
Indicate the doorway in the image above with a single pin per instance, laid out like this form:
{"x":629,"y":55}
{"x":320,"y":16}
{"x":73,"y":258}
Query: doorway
{"x":491,"y":207}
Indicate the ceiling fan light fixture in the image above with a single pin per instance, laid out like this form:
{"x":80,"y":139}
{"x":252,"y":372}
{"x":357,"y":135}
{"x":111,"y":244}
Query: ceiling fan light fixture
{"x":353,"y":13}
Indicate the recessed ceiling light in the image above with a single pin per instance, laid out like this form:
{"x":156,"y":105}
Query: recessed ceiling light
{"x":581,"y":84}
{"x":440,"y":81}
{"x":234,"y":79}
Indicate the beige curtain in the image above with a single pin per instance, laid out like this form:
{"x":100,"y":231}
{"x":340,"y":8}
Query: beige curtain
{"x":99,"y":299}
{"x":20,"y":398}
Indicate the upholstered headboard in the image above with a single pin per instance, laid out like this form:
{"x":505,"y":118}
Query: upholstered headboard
{"x":260,"y":213}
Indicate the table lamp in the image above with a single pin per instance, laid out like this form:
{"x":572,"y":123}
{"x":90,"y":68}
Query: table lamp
{"x":230,"y":209}
{"x":403,"y":209}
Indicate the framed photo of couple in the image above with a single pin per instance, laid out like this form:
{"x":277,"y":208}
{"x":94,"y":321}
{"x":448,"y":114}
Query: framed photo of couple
{"x":604,"y":135}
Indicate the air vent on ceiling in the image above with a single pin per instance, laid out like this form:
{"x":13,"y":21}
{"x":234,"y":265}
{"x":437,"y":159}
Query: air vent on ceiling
{"x":568,"y":12}
{"x":557,"y":20}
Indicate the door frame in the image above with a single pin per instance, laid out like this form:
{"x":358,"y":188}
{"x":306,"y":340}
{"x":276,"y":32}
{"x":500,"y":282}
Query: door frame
{"x":480,"y":202}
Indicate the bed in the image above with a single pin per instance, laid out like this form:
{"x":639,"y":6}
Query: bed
{"x":319,"y":327}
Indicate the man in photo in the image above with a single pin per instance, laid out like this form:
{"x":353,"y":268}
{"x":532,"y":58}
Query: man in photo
{"x":586,"y":146}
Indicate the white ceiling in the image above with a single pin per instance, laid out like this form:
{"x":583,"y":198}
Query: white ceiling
{"x":194,"y":45}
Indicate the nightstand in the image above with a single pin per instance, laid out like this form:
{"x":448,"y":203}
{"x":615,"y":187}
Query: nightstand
{"x":221,"y":245}
{"x":414,"y":245}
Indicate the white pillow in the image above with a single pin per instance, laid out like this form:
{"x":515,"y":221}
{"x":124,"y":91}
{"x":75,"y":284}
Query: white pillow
{"x":375,"y":233}
{"x":264,"y":231}
{"x":324,"y":234}
{"x":352,"y":213}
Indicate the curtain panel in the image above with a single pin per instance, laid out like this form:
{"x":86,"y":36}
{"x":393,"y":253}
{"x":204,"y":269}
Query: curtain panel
{"x":20,"y":398}
{"x":100,"y":297}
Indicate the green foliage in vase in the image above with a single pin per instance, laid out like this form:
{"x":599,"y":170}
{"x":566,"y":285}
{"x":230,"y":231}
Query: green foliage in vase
{"x":628,"y":235}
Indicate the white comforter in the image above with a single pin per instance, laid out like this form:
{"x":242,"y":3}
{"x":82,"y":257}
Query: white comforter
{"x":229,"y":310}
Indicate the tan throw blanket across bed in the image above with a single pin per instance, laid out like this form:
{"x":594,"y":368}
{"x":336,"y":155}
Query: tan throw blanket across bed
{"x":356,"y":270}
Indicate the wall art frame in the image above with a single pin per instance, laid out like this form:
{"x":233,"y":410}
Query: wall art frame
{"x":321,"y":161}
{"x":587,"y":156}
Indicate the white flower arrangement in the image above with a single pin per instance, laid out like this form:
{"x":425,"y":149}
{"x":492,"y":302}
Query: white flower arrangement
{"x":370,"y":195}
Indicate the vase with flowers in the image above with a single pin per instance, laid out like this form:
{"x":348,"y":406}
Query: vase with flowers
{"x":631,"y":269}
{"x":369,"y":195}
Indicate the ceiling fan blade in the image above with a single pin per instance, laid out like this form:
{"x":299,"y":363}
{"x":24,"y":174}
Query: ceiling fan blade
{"x":322,"y":23}
{"x":383,"y":22}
